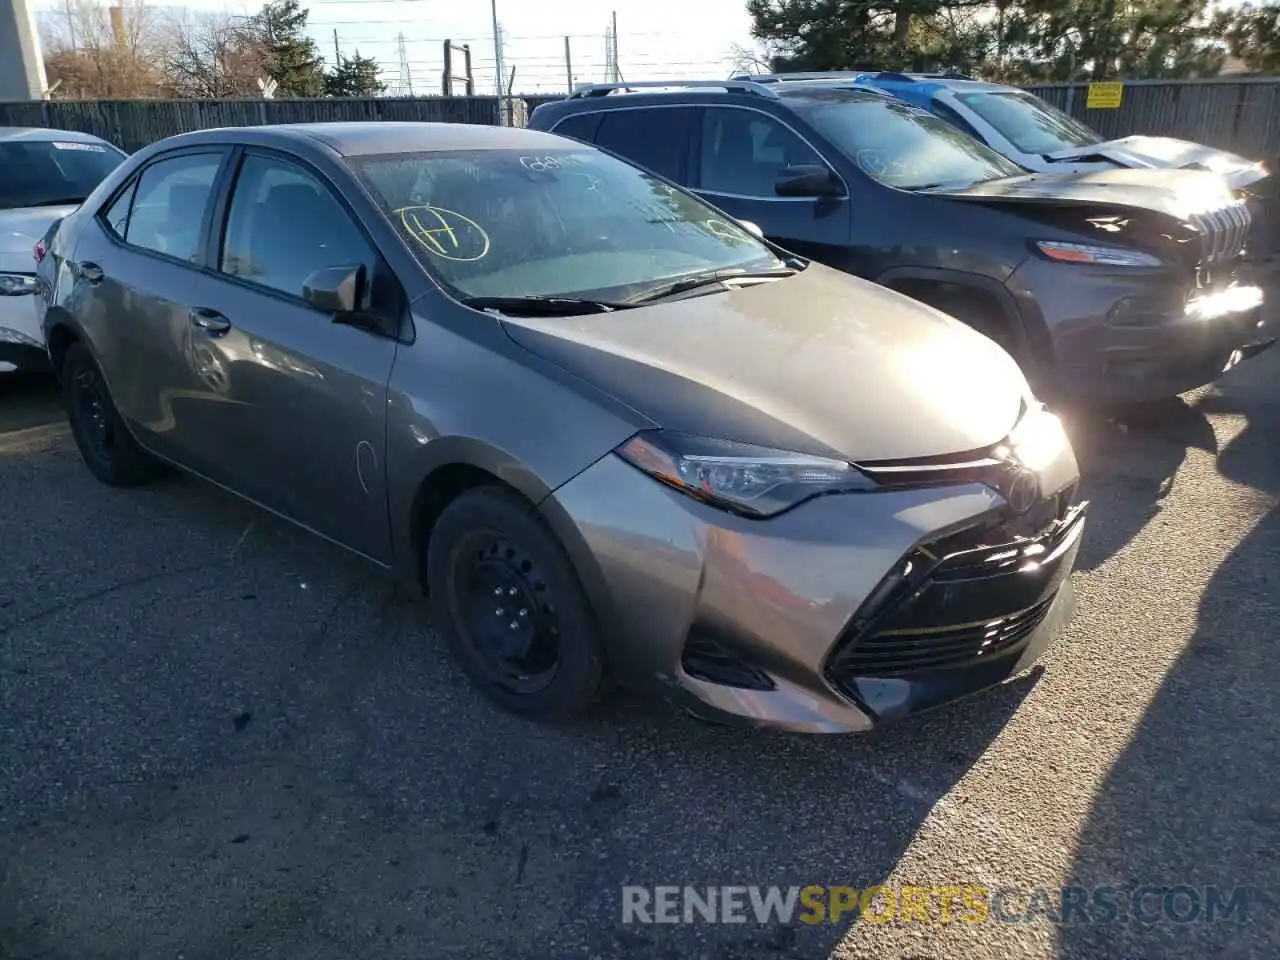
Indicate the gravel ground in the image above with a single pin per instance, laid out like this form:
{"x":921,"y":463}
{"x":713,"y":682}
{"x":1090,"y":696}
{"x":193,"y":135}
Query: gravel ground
{"x":220,"y":738}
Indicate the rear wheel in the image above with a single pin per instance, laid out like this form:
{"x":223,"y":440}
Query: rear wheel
{"x":105,"y":445}
{"x":510,"y":606}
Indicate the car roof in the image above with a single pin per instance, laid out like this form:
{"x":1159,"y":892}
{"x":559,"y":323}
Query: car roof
{"x":676,"y":92}
{"x":931,"y":84}
{"x":364,"y":138}
{"x":47,"y":135}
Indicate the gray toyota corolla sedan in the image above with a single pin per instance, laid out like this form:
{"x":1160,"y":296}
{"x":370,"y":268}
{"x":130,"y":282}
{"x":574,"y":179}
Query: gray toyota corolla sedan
{"x":604,"y":427}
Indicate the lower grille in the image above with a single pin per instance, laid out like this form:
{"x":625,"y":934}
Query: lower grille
{"x":964,"y":599}
{"x":894,"y":654}
{"x":705,"y":659}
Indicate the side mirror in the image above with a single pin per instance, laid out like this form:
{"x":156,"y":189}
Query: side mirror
{"x":751,"y":228}
{"x":335,"y":289}
{"x":806,"y":180}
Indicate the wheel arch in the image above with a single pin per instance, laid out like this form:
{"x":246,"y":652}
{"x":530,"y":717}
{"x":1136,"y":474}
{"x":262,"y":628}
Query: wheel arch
{"x":61,"y":330}
{"x":1030,"y":337}
{"x":459,"y":464}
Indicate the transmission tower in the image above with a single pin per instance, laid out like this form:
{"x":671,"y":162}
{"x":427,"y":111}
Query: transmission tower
{"x":404,"y":85}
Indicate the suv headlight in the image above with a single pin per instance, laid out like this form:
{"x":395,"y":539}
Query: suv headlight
{"x":739,"y":477}
{"x":1096,"y":254}
{"x":16,"y":284}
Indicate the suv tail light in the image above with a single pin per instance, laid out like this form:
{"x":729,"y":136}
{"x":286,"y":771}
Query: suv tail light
{"x":41,"y":250}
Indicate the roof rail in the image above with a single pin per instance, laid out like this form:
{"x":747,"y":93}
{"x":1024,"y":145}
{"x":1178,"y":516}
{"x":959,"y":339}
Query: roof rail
{"x":731,"y":86}
{"x":811,"y":75}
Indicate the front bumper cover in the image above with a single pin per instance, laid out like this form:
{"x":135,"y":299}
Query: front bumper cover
{"x":786,"y":597}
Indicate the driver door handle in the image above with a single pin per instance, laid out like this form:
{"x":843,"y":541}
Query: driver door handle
{"x":210,"y":321}
{"x":89,"y":272}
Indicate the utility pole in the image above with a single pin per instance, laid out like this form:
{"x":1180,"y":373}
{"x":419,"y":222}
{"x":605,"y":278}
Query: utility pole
{"x":337,"y":54}
{"x":617,"y":74}
{"x":497,"y":46}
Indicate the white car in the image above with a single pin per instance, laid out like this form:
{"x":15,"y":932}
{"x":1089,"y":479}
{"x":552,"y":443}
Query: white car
{"x":45,"y":175}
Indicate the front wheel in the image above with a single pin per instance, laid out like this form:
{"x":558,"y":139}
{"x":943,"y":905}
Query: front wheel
{"x":106,"y":447}
{"x":510,"y":606}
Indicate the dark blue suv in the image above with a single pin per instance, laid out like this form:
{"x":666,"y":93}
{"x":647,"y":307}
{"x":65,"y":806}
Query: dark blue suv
{"x":1117,"y":286}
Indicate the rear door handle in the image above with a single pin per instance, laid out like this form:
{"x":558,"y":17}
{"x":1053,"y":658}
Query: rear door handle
{"x":210,"y":321}
{"x":89,"y":272}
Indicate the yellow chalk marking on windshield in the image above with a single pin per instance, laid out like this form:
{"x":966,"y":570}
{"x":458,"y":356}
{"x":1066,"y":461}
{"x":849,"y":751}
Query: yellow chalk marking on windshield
{"x":450,"y":227}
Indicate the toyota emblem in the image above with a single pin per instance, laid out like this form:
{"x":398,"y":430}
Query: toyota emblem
{"x":1023,"y":490}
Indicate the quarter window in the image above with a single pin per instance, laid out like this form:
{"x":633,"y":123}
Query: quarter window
{"x":284,"y":225}
{"x":117,"y":215}
{"x":743,"y":152}
{"x":168,"y":207}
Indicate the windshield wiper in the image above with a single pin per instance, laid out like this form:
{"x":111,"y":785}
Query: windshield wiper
{"x":685,"y":284}
{"x":543,"y":306}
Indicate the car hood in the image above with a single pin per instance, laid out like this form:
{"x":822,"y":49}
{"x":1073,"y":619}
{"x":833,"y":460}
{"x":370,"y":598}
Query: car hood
{"x":1146,"y":152}
{"x":819,"y":363}
{"x":20,"y":229}
{"x":1177,"y":193}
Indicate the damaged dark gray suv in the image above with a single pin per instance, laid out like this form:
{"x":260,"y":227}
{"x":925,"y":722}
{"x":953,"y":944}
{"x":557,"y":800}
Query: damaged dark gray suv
{"x":1113,"y":287}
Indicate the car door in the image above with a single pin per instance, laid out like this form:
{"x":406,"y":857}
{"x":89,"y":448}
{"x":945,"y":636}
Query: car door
{"x":136,"y":271}
{"x":304,"y":430}
{"x":738,"y":155}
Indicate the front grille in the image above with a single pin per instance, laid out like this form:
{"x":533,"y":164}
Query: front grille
{"x":901,"y":653}
{"x":963,"y":599}
{"x":1223,"y":232}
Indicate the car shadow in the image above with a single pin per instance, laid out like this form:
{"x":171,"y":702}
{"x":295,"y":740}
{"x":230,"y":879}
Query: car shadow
{"x":1191,"y":799}
{"x":28,"y":400}
{"x":1129,"y":462}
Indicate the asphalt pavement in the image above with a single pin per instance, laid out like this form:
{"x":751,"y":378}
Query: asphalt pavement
{"x":221,"y":738}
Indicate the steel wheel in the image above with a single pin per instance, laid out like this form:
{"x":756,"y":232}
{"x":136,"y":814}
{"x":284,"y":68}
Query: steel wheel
{"x":508,"y":615}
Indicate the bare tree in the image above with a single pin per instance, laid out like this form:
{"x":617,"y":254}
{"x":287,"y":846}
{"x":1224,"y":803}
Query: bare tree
{"x":212,"y":55}
{"x":98,"y":52}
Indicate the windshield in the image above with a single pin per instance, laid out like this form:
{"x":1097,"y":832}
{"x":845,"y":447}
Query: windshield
{"x":1029,"y":123}
{"x":903,"y":146}
{"x":44,"y":172}
{"x":561,"y":223}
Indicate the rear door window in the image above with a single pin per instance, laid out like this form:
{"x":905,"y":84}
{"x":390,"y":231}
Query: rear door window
{"x":655,"y":138}
{"x":40,"y":173}
{"x":169,"y":204}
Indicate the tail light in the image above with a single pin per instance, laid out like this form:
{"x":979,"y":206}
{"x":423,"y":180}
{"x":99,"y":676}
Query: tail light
{"x":41,"y":250}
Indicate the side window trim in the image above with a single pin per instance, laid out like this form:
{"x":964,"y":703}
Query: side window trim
{"x":844,"y":186}
{"x":222,"y":216}
{"x":132,"y":183}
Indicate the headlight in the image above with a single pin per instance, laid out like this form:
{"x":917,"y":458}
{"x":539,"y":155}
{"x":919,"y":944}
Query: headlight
{"x":1038,"y":439}
{"x":1090,"y":253}
{"x":746,"y":479}
{"x":16,"y":284}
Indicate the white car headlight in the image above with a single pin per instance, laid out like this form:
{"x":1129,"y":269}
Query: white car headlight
{"x":1096,"y":254}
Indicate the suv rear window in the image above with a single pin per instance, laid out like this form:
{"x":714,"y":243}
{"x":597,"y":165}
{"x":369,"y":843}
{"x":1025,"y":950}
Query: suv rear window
{"x":43,"y":173}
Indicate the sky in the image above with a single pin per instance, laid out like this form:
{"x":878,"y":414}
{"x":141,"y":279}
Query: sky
{"x":657,"y":39}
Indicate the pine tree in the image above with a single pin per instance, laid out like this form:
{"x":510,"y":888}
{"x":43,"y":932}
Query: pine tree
{"x":292,"y":58}
{"x":1253,"y":35}
{"x":355,"y":77}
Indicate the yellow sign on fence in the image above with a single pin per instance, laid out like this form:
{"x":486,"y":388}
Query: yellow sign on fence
{"x":1105,"y":96}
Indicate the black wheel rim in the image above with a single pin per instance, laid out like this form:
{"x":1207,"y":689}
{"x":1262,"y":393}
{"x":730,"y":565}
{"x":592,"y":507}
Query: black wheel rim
{"x":91,"y":410}
{"x":506,"y":612}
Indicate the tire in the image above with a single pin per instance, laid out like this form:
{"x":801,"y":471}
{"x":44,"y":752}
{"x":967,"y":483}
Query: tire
{"x":490,"y":557}
{"x":107,"y":448}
